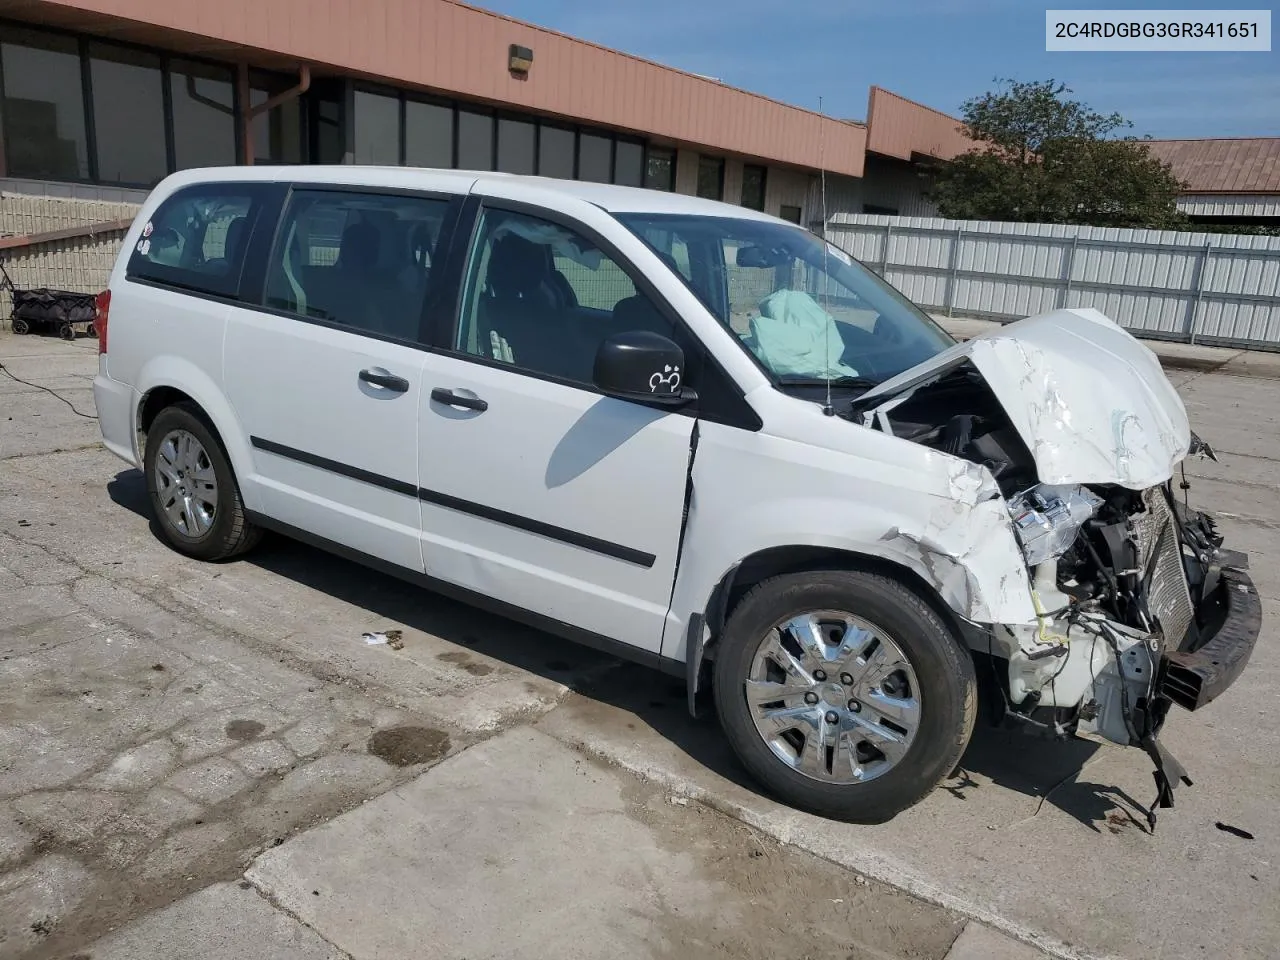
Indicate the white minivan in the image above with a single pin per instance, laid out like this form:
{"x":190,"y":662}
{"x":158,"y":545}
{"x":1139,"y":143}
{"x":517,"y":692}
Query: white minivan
{"x":692,"y":435}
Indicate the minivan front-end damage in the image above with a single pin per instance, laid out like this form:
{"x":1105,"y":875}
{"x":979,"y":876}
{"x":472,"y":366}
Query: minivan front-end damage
{"x":1135,"y":605}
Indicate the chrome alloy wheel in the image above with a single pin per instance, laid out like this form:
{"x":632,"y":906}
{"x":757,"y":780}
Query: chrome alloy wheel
{"x":834,"y":697}
{"x":186,"y":485}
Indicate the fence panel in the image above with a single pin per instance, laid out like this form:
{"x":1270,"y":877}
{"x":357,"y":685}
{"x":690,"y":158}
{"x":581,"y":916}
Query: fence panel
{"x":1196,"y":287}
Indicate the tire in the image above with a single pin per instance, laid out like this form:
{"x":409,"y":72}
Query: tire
{"x":922,"y":744}
{"x":215,"y":527}
{"x":67,"y":331}
{"x":21,"y":326}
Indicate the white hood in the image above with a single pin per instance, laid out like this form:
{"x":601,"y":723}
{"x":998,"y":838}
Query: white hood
{"x":1091,"y":403}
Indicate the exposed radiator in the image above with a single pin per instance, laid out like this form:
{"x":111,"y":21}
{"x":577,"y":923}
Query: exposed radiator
{"x":1169,"y":598}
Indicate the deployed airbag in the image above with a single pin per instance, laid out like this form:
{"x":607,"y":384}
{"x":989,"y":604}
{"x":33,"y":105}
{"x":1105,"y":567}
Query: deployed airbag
{"x":795,"y":335}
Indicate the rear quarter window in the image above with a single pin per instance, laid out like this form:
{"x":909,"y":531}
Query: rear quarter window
{"x":198,"y":238}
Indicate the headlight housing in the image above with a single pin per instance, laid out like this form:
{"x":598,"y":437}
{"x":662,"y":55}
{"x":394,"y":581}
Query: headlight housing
{"x":1048,"y":518}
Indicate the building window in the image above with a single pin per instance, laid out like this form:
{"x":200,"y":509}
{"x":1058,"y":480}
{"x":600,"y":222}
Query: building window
{"x":883,"y":211}
{"x":128,"y":115}
{"x":42,"y":114}
{"x":328,"y":140}
{"x":595,"y":158}
{"x":555,"y":152}
{"x":753,"y":177}
{"x":711,"y":178}
{"x":628,"y":163}
{"x":277,"y":134}
{"x":790,"y":213}
{"x":377,"y":129}
{"x":475,"y":141}
{"x":660,"y":168}
{"x":204,"y":124}
{"x":428,"y":134}
{"x":516,"y":152}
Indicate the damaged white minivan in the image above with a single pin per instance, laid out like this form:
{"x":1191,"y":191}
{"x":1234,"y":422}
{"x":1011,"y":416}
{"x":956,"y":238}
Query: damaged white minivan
{"x":688,"y":433}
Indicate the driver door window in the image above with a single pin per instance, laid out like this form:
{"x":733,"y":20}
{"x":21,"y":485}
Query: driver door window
{"x":543,"y":298}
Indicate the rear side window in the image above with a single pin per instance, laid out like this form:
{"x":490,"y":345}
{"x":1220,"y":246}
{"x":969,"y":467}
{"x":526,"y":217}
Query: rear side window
{"x":357,"y":260}
{"x":197,"y":239}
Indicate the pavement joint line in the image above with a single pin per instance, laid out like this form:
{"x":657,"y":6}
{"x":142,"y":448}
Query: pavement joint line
{"x":281,"y":908}
{"x":872,"y":868}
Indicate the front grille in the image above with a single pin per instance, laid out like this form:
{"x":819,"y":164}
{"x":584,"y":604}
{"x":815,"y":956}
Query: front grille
{"x":1168,"y":599}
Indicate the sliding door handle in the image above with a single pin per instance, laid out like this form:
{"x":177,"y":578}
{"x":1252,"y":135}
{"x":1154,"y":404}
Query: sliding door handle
{"x":388,"y":381}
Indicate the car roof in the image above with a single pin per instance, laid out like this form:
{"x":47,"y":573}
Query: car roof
{"x":614,"y":199}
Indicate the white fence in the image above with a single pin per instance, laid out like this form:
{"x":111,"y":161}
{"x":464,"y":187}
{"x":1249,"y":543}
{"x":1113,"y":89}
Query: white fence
{"x":1213,"y":288}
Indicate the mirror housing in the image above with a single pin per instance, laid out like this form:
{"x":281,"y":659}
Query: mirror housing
{"x":643,"y":366}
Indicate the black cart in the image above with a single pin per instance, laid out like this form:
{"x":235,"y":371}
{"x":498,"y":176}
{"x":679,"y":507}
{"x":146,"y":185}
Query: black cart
{"x":50,"y":312}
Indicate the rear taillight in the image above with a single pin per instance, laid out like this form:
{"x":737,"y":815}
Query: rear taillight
{"x":100,"y":319}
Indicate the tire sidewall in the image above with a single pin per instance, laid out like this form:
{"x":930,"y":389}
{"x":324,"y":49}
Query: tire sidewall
{"x":943,"y":669}
{"x":212,"y":544}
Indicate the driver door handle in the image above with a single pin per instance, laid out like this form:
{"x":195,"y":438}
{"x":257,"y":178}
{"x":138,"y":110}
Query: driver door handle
{"x":447,"y":396}
{"x":380,"y":378}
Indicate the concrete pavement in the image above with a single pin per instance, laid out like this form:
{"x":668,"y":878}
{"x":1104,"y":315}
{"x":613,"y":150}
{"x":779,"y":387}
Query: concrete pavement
{"x":1021,"y":839}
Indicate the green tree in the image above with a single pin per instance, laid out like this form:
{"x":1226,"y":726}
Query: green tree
{"x":1042,"y":157}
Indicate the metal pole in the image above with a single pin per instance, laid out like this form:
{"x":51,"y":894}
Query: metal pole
{"x":246,"y":116}
{"x":1068,"y":269}
{"x":1202,"y":268}
{"x":884,"y":259}
{"x":955,"y":270}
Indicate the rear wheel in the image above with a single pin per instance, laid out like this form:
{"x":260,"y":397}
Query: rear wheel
{"x":21,"y":326}
{"x":193,"y":491}
{"x":67,"y":331}
{"x":844,"y":693}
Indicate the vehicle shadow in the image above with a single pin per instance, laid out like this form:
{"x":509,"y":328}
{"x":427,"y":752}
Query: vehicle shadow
{"x":1047,"y":771}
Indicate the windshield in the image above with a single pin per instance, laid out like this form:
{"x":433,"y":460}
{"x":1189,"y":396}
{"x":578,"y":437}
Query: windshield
{"x":806,"y":310}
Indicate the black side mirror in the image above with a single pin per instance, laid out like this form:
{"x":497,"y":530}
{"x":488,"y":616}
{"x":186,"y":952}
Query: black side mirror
{"x":642,"y":366}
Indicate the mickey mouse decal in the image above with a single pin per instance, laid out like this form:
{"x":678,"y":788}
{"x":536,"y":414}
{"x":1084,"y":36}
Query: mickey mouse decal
{"x":668,"y":377}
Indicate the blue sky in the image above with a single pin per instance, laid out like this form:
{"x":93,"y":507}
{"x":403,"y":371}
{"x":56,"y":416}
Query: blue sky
{"x":935,"y":51}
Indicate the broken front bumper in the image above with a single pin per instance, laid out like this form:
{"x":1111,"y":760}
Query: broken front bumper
{"x":1208,"y":663}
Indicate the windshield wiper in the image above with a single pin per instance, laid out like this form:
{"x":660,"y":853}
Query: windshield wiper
{"x":834,"y":381}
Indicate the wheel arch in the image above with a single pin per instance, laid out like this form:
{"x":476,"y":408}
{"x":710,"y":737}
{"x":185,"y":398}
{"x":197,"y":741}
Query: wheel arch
{"x":706,"y":627}
{"x":170,"y":380}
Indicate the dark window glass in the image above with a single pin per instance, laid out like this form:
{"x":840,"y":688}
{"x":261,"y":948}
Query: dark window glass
{"x":875,"y":208}
{"x":277,"y":134}
{"x":753,"y":186}
{"x":628,"y":164}
{"x":198,"y":238}
{"x":328,"y":137}
{"x":204,"y":126}
{"x":377,"y":132}
{"x":595,"y":158}
{"x":555,"y":152}
{"x":358,"y":260}
{"x":711,"y":178}
{"x":660,"y":169}
{"x":128,"y":114}
{"x":516,"y":146}
{"x":44,"y":134}
{"x":790,"y":213}
{"x":475,"y":141}
{"x":543,"y":298}
{"x":428,"y":135}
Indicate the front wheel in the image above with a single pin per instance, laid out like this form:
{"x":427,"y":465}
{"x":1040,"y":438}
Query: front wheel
{"x":193,"y":491}
{"x":844,"y":693}
{"x":20,"y":326}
